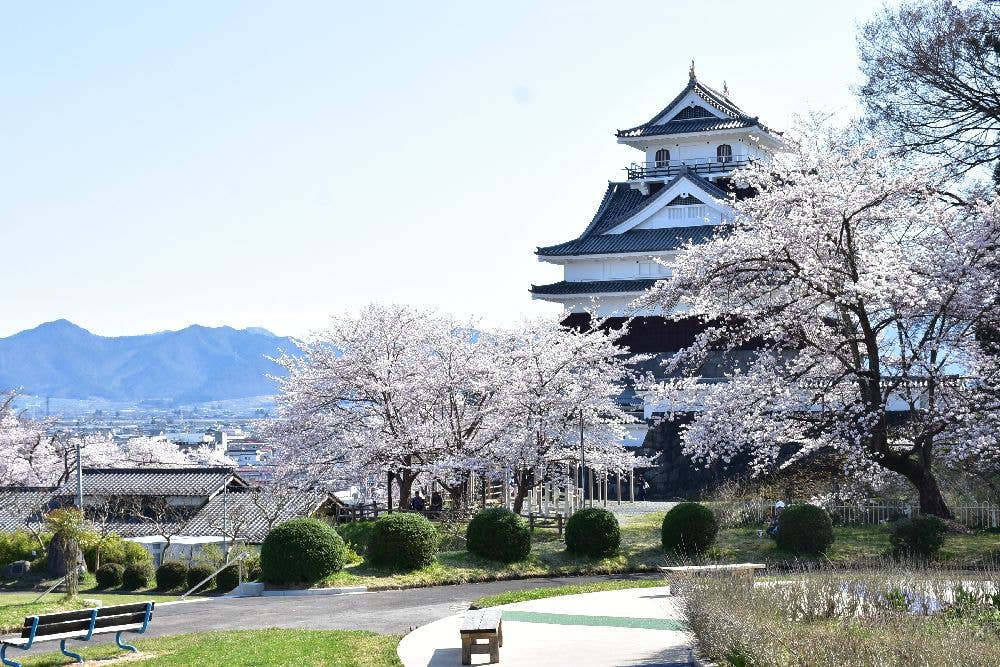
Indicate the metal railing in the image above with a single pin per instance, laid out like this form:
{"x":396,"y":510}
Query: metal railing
{"x":982,"y":516}
{"x":667,"y":168}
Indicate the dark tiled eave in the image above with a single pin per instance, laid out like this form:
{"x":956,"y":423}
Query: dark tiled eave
{"x":685,"y":126}
{"x":564,"y":288}
{"x":635,"y":240}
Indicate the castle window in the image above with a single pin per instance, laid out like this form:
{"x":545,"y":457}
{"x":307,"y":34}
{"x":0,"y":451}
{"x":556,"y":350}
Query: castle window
{"x":662,"y":157}
{"x":724,"y":153}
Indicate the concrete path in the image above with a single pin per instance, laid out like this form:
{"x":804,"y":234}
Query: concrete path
{"x":638,"y":626}
{"x":390,"y":612}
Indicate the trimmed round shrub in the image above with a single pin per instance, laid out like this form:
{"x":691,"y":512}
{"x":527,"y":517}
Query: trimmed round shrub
{"x":593,"y":532}
{"x":921,"y":535}
{"x":171,"y":575}
{"x":109,"y":575}
{"x":137,"y":575}
{"x":403,"y":541}
{"x":228,"y":578}
{"x":804,"y":529}
{"x":688,"y":530}
{"x":301,"y":551}
{"x":200,"y":571}
{"x":498,"y":534}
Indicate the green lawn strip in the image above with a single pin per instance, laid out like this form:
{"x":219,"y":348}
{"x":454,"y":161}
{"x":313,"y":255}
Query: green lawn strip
{"x":15,"y":607}
{"x":600,"y":621}
{"x":342,"y":648}
{"x":556,"y":591}
{"x":641,"y":552}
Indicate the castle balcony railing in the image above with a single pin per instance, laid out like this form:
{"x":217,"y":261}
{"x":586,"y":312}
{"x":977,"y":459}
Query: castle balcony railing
{"x":670,"y":168}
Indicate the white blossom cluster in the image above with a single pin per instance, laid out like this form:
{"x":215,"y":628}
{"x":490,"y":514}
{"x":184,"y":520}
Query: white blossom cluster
{"x":866,"y":289}
{"x":415,"y":393}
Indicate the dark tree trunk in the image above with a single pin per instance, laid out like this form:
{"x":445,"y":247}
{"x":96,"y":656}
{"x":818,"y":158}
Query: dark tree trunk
{"x":405,"y":478}
{"x":923,"y":480}
{"x":524,"y":481}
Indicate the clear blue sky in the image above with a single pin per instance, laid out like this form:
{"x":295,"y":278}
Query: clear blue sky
{"x":266,"y":164}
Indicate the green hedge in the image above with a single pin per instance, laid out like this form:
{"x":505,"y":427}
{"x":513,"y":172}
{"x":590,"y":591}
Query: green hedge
{"x":301,"y":551}
{"x":921,"y":535}
{"x":402,"y":540}
{"x":228,"y":578}
{"x":172,"y":575}
{"x":498,"y":534}
{"x":109,"y":575}
{"x":688,"y":529}
{"x":594,"y":532}
{"x":805,"y":530}
{"x":137,"y":575}
{"x":199,"y":571}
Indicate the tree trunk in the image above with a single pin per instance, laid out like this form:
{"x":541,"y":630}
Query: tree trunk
{"x":522,"y":493}
{"x":923,"y":480}
{"x":405,"y":479}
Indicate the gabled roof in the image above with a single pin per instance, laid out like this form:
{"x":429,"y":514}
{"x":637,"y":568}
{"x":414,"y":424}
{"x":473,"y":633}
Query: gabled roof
{"x":621,"y":201}
{"x":151,"y":481}
{"x":732,"y":117}
{"x":245,"y":516}
{"x":565,"y":288}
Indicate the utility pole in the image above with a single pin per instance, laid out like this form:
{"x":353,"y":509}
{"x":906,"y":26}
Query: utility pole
{"x":79,"y":477}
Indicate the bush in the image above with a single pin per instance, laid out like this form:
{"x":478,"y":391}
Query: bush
{"x":357,"y":534}
{"x":594,"y":532}
{"x":921,"y":535}
{"x":18,"y":545}
{"x":498,"y":534}
{"x":228,"y":578}
{"x":688,"y":529}
{"x":137,"y":575}
{"x":172,"y":575}
{"x":301,"y":551}
{"x":200,"y":571}
{"x":109,"y":575}
{"x":804,"y":529}
{"x":134,"y":553}
{"x":116,"y":550}
{"x":403,"y":541}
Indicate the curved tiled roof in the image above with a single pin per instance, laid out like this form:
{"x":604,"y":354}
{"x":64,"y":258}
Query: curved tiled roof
{"x":734,"y":117}
{"x":564,"y":288}
{"x":620,"y":202}
{"x":634,"y":240}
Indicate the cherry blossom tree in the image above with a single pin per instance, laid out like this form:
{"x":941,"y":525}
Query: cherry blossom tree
{"x":561,"y":380}
{"x":862,"y":285}
{"x":418,"y":394}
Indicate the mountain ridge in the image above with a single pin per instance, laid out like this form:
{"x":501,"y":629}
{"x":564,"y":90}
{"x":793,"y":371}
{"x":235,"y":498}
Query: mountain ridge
{"x":61,"y":359}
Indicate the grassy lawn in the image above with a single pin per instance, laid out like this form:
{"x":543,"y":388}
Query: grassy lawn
{"x":641,"y":552}
{"x":14,"y":607}
{"x":340,"y":648}
{"x":555,"y":591}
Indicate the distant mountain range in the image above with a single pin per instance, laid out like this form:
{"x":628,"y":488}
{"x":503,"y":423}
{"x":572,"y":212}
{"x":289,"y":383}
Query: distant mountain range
{"x":196,"y":364}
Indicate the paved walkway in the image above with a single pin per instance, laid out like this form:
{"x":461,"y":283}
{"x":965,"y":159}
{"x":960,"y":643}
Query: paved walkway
{"x":638,"y":626}
{"x":389,"y":612}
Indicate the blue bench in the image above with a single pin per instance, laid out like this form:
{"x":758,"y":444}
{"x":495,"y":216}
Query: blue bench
{"x":80,"y":625}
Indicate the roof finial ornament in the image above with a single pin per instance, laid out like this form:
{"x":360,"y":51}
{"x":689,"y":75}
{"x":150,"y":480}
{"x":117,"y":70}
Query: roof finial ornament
{"x":691,"y":71}
{"x":725,"y":89}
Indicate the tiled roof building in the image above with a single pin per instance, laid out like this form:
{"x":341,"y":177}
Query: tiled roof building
{"x":679,"y":193}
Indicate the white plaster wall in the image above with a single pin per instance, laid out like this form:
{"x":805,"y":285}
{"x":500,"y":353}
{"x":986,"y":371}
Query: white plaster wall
{"x":681,"y":216}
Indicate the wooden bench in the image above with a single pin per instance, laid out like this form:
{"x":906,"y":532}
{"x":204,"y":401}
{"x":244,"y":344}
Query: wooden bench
{"x":680,"y":573}
{"x":481,"y":624}
{"x":79,"y":625}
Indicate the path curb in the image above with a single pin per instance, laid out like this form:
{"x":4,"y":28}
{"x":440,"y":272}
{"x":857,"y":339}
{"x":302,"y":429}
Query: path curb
{"x":347,"y":590}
